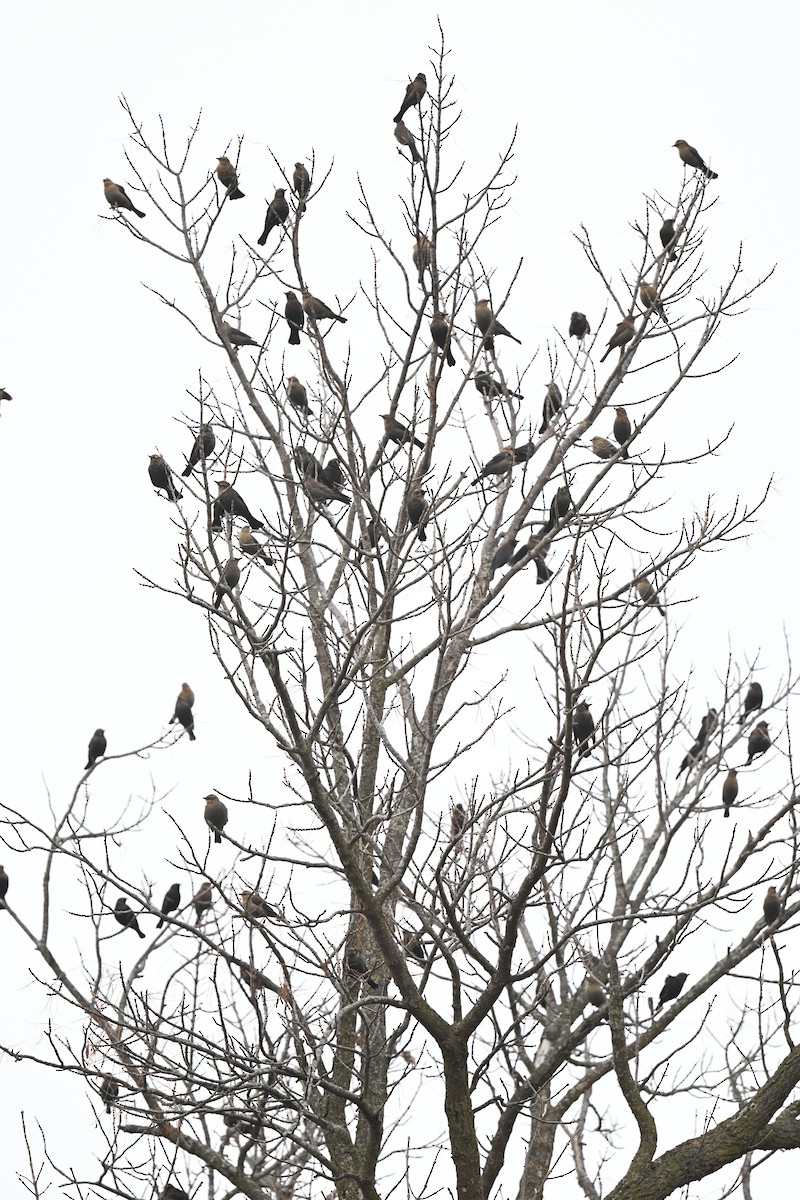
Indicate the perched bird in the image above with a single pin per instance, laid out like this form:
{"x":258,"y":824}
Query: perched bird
{"x":172,"y":900}
{"x":202,"y":900}
{"x":603,"y":448}
{"x":117,"y":197}
{"x":772,"y":906}
{"x":295,"y":318}
{"x":216,"y":815}
{"x":523,"y":454}
{"x":356,"y":966}
{"x":752,"y":701}
{"x":109,"y":1091}
{"x":255,"y":980}
{"x":126,"y":917}
{"x":692,"y":159}
{"x":552,"y":404}
{"x":376,"y":530}
{"x":396,"y":431}
{"x":440,"y":332}
{"x":229,"y":501}
{"x":183,"y":710}
{"x":301,"y":183}
{"x":667,"y":235}
{"x":673,"y":986}
{"x":489,"y":326}
{"x":624,"y":333}
{"x":418,"y":511}
{"x":3,"y":886}
{"x":559,"y":507}
{"x":161,"y":478}
{"x":332,"y":473}
{"x":579,"y":326}
{"x":228,"y":580}
{"x":622,"y":430}
{"x":458,"y":819}
{"x":171,"y":1192}
{"x":306,"y":463}
{"x":406,"y":138}
{"x":238,"y":337}
{"x":595,"y":992}
{"x":322,"y":493}
{"x":255,"y":906}
{"x":649,"y":298}
{"x":277,"y":213}
{"x":499,"y":464}
{"x":707,"y":727}
{"x":759,"y":742}
{"x":421,"y":255}
{"x":413,"y":945}
{"x":202,"y":449}
{"x":226,"y":174}
{"x":648,"y":594}
{"x":97,"y":748}
{"x":502,"y":556}
{"x":250,"y":545}
{"x":414,"y":93}
{"x":297,"y":394}
{"x":319,"y":310}
{"x":730,"y":790}
{"x":489,"y":387}
{"x":583,"y":729}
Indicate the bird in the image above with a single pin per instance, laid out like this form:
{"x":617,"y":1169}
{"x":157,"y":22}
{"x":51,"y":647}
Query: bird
{"x":255,"y":906}
{"x":414,"y":93}
{"x":229,"y":501}
{"x":183,"y":710}
{"x":730,"y":790}
{"x":692,"y":159}
{"x":458,"y":819}
{"x":322,"y":493}
{"x":759,"y":742}
{"x":595,"y":992}
{"x":97,"y":748}
{"x":250,"y":545}
{"x":3,"y":886}
{"x":622,"y":430}
{"x":226,"y":174}
{"x":406,"y":138}
{"x":117,"y":197}
{"x":171,"y":1192}
{"x":583,"y":729}
{"x":413,"y":945}
{"x":202,"y":900}
{"x":707,"y":727}
{"x":332,"y":473}
{"x":502,"y":555}
{"x":579,"y":326}
{"x":125,"y":916}
{"x":396,"y":431}
{"x":109,"y":1091}
{"x":490,"y":388}
{"x":297,"y":394}
{"x":277,"y":213}
{"x":216,"y":815}
{"x":202,"y":449}
{"x":603,"y":448}
{"x":172,"y":900}
{"x":421,"y":255}
{"x":667,"y":236}
{"x":301,"y":184}
{"x":552,"y":404}
{"x":306,"y":463}
{"x":440,"y":332}
{"x":418,"y":511}
{"x":319,"y":310}
{"x":673,"y":986}
{"x":161,"y":478}
{"x":752,"y":701}
{"x":376,"y":530}
{"x":255,"y":980}
{"x":619,"y":339}
{"x":772,"y":906}
{"x":357,"y":967}
{"x":559,"y":508}
{"x":523,"y":454}
{"x":649,"y":298}
{"x":295,"y":318}
{"x":499,"y":464}
{"x":648,"y":594}
{"x":238,"y":337}
{"x":228,"y":580}
{"x":489,"y":326}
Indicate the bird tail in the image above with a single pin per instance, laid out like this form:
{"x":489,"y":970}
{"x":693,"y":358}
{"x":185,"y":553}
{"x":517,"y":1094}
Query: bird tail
{"x":420,"y":445}
{"x":451,"y":362}
{"x":141,"y":935}
{"x":217,"y":836}
{"x":709,"y":175}
{"x":626,"y":455}
{"x":605,"y":356}
{"x":141,"y":214}
{"x":543,"y":426}
{"x":236,"y":194}
{"x":415,"y":154}
{"x":190,"y":732}
{"x":256,"y":524}
{"x":343,"y":320}
{"x":160,"y":923}
{"x":186,"y":472}
{"x":294,"y":336}
{"x":91,"y":764}
{"x":423,"y":537}
{"x":262,"y":241}
{"x":727,"y":810}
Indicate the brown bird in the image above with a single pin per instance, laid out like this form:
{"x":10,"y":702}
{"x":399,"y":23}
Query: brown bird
{"x":421,"y":255}
{"x":322,"y":493}
{"x":673,"y":986}
{"x":255,"y":906}
{"x":250,"y":545}
{"x":226,"y":174}
{"x":396,"y":431}
{"x":489,"y":326}
{"x":297,"y":394}
{"x":126,"y":917}
{"x":772,"y":906}
{"x":579,"y":326}
{"x":692,"y":159}
{"x":730,"y":790}
{"x":295,"y":318}
{"x":306,"y":463}
{"x":203,"y":900}
{"x":109,"y":1091}
{"x":622,"y":430}
{"x":255,"y":980}
{"x":229,"y":501}
{"x":238,"y":337}
{"x":490,"y":388}
{"x":648,"y":594}
{"x":183,"y":710}
{"x":595,"y":992}
{"x":172,"y":900}
{"x":552,"y":404}
{"x":406,"y":138}
{"x":603,"y":448}
{"x":414,"y":93}
{"x":202,"y":449}
{"x":228,"y":580}
{"x":418,"y":511}
{"x":413,"y":945}
{"x":759,"y":742}
{"x":667,"y":235}
{"x":458,"y":819}
{"x":117,"y":197}
{"x":301,"y":183}
{"x":216,"y":815}
{"x":97,"y":748}
{"x":161,"y":478}
{"x":583,"y":729}
{"x":277,"y":213}
{"x":752,"y":701}
{"x":3,"y":886}
{"x":559,"y":507}
{"x":319,"y":310}
{"x":648,"y":298}
{"x":356,"y":966}
{"x":624,"y":333}
{"x":499,"y":464}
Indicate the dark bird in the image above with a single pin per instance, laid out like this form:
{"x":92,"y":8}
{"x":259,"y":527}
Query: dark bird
{"x":552,"y":404}
{"x":126,"y":917}
{"x":490,"y":388}
{"x":319,"y":310}
{"x":306,"y":463}
{"x":295,"y":318}
{"x":458,"y":819}
{"x":413,"y":945}
{"x":226,"y":174}
{"x":396,"y":431}
{"x":202,"y":449}
{"x":730,"y":790}
{"x":255,"y":980}
{"x":3,"y":886}
{"x":692,"y":159}
{"x":97,"y":747}
{"x":238,"y":337}
{"x":117,"y":197}
{"x":229,"y":501}
{"x":298,"y":397}
{"x":322,"y":493}
{"x":673,"y":986}
{"x":752,"y":701}
{"x":250,"y":545}
{"x":579,"y":326}
{"x":559,"y":507}
{"x":603,"y":448}
{"x":595,"y":992}
{"x":277,"y":213}
{"x":583,"y":729}
{"x":172,"y":900}
{"x":622,"y":430}
{"x":499,"y":464}
{"x":414,"y":93}
{"x":332,"y":473}
{"x":376,"y":530}
{"x":772,"y":906}
{"x":440,"y":332}
{"x":624,"y":333}
{"x":418,"y":511}
{"x":502,"y":556}
{"x":161,"y":477}
{"x":648,"y":594}
{"x":183,"y":710}
{"x":109,"y":1091}
{"x":171,"y":1192}
{"x":203,"y":900}
{"x":355,"y":966}
{"x":707,"y":727}
{"x":489,"y":326}
{"x":649,"y":298}
{"x":255,"y":906}
{"x":406,"y":138}
{"x":525,"y":453}
{"x":216,"y":815}
{"x":301,"y":183}
{"x":667,"y":235}
{"x":421,"y":255}
{"x":228,"y":580}
{"x":759,"y":742}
